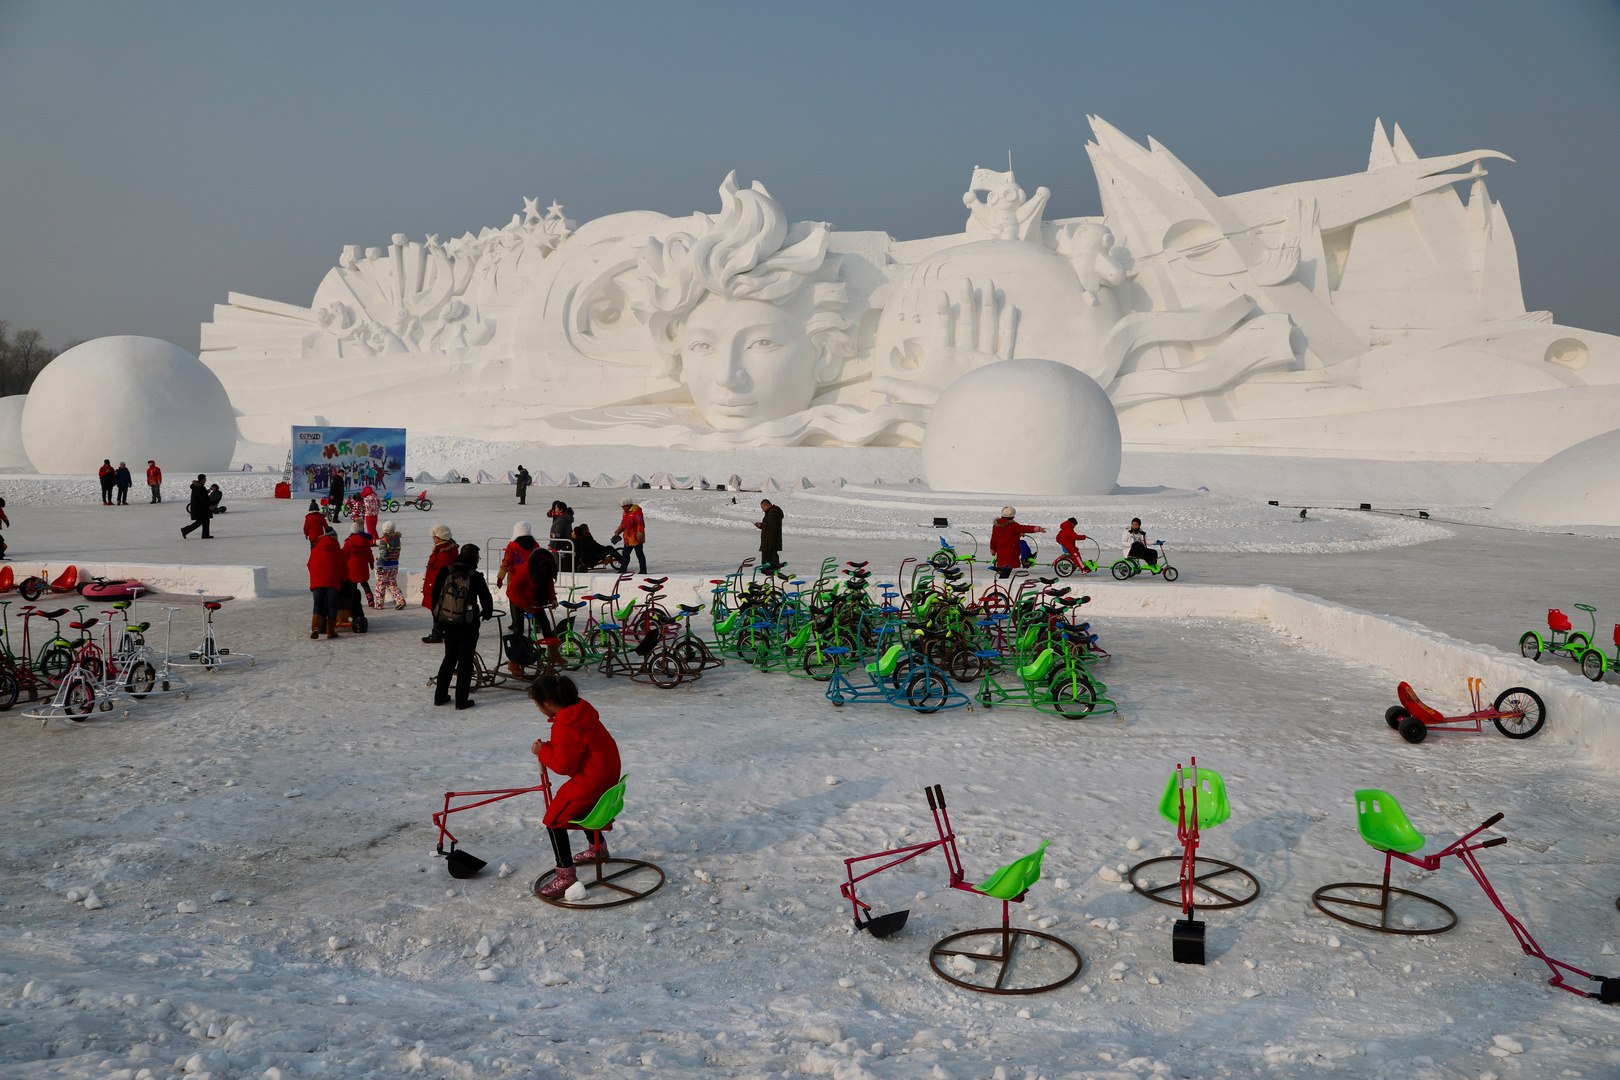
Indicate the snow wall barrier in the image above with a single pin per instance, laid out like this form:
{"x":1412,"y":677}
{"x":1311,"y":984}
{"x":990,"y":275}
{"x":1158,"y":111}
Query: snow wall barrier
{"x":242,"y":582}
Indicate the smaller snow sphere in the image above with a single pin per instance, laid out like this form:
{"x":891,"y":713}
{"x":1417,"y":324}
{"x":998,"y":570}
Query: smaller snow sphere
{"x":1576,"y":486}
{"x":12,"y":454}
{"x":128,"y":399}
{"x":1023,"y":427}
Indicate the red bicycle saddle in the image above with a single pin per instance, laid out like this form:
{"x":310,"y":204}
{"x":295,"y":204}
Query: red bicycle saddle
{"x":212,"y":605}
{"x":1414,"y":705}
{"x":85,"y":625}
{"x":1557,"y":620}
{"x":57,"y":614}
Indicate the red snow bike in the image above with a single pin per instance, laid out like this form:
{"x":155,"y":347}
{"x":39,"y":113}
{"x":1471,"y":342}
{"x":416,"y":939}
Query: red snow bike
{"x":616,"y":881}
{"x":1046,"y":962}
{"x":1518,"y":713}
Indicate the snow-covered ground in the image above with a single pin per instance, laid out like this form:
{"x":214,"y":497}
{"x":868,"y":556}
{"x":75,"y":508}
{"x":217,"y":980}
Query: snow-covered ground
{"x":358,"y":955}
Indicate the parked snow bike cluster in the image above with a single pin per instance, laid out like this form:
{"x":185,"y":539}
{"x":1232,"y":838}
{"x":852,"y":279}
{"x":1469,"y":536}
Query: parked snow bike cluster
{"x":106,"y":665}
{"x":923,"y":642}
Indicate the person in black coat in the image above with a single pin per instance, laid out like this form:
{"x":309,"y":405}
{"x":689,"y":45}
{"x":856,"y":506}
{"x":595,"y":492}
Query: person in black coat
{"x":460,"y":635}
{"x":770,"y":536}
{"x":200,"y":509}
{"x":334,"y":494}
{"x":122,"y":481}
{"x":523,"y":480}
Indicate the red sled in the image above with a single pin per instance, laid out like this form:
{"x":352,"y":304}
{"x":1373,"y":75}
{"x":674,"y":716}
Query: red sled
{"x":1518,"y":713}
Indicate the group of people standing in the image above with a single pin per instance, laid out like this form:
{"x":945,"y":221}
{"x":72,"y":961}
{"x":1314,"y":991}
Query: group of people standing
{"x":116,"y":482}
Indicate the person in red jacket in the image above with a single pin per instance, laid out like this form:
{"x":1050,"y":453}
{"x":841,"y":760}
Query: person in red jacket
{"x":1068,"y":539}
{"x":154,"y":480}
{"x":106,"y":475}
{"x":357,"y":550}
{"x":581,"y":749}
{"x":326,"y":567}
{"x":1004,"y":537}
{"x":443,"y":554}
{"x":314,"y":523}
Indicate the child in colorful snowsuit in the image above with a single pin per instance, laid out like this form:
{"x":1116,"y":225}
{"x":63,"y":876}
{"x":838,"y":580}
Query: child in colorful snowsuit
{"x":388,"y":567}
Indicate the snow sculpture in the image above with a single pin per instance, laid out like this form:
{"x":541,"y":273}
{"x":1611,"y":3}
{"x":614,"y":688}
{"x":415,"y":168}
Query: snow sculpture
{"x":1376,"y":314}
{"x":1577,"y":486}
{"x":128,"y":399}
{"x":1023,"y":427}
{"x":12,"y":454}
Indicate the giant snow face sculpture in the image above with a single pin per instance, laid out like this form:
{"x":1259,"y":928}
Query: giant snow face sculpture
{"x":747,"y":310}
{"x":747,"y":361}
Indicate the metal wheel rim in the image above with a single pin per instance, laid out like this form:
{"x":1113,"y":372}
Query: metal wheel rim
{"x":1224,"y":869}
{"x":939,"y":949}
{"x":1319,"y":896}
{"x":629,"y":896}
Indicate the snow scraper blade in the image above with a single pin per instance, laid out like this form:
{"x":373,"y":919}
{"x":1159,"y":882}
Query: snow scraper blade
{"x":1187,"y":942}
{"x":1609,"y":992}
{"x":881,"y":926}
{"x":462,"y":864}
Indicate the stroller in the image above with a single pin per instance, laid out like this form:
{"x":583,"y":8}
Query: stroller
{"x":590,"y":555}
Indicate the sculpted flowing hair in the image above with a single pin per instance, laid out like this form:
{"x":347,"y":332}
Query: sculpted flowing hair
{"x":746,"y":252}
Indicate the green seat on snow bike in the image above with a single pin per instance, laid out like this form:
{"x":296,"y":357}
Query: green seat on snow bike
{"x":887,"y":664}
{"x":1013,"y":880}
{"x":606,"y":809}
{"x":1213,"y":807}
{"x":1040,"y":667}
{"x":1383,"y":824}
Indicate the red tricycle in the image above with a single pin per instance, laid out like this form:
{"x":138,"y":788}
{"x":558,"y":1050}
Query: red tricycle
{"x":1518,"y":713}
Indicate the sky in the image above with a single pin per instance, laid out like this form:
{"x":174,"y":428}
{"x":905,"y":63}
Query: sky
{"x":155,"y":156}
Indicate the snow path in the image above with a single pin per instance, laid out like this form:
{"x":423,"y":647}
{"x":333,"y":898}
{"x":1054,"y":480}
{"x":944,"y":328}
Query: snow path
{"x":727,"y":777}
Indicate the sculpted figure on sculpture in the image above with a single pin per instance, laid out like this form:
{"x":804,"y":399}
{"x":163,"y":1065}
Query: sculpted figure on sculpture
{"x":1373,"y":314}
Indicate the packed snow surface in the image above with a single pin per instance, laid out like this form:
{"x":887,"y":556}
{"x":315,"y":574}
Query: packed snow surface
{"x":242,"y":884}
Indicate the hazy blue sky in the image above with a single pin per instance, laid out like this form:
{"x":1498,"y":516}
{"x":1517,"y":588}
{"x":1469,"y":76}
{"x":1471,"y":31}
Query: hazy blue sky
{"x":155,"y":155}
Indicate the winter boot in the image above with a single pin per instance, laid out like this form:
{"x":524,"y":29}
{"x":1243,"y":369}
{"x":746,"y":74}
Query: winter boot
{"x":560,"y":884}
{"x":591,"y":855}
{"x":331,"y":628}
{"x":316,"y":624}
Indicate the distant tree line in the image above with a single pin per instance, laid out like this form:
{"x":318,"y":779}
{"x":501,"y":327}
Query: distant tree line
{"x":22,"y":356}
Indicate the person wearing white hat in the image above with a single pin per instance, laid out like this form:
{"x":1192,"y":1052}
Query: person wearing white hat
{"x":633,"y":528}
{"x":443,"y":554}
{"x":1005,"y":538}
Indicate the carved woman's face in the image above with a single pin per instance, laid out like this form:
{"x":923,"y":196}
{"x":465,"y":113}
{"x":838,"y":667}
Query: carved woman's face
{"x":746,"y":362}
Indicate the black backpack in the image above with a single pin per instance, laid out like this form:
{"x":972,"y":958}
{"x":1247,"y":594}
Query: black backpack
{"x":520,"y":650}
{"x":456,"y":606}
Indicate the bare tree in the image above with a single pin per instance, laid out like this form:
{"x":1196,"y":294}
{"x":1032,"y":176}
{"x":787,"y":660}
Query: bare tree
{"x":22,"y":356}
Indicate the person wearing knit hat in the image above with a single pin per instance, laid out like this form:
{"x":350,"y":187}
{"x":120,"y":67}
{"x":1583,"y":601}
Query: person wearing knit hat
{"x":314,"y":523}
{"x":513,"y":572}
{"x":443,"y":554}
{"x":460,"y":602}
{"x":357,"y":549}
{"x":1005,"y":538}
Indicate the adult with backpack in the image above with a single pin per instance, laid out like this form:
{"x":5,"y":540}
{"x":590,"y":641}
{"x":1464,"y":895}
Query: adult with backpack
{"x":461,"y":601}
{"x":200,"y":509}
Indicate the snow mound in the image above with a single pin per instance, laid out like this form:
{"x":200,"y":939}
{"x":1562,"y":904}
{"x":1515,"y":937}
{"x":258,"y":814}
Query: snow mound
{"x":1577,"y":486}
{"x":12,"y":454}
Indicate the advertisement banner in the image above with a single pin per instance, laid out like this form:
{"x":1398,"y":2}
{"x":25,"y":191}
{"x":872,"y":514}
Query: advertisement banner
{"x":366,"y":456}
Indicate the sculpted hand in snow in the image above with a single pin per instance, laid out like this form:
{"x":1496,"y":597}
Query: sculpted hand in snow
{"x":980,"y":328}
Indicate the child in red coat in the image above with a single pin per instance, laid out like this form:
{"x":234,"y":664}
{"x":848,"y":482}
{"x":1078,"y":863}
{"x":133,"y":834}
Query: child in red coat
{"x":581,"y":749}
{"x":314,"y":523}
{"x":357,"y":550}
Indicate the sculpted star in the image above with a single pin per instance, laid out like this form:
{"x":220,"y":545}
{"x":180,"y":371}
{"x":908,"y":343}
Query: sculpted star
{"x":531,"y":208}
{"x":554,"y":210}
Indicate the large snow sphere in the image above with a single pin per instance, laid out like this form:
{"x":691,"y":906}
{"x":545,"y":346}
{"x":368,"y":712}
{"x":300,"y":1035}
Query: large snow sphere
{"x":1576,"y":486}
{"x":1023,"y":427}
{"x":12,"y":454}
{"x":128,"y":399}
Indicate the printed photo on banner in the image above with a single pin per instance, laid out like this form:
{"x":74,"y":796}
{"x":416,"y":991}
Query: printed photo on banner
{"x":372,"y":457}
